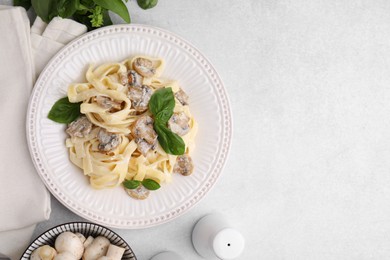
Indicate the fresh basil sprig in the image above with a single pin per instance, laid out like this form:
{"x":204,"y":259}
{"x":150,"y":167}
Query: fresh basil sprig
{"x":147,"y":183}
{"x":92,"y":13}
{"x":64,"y":112}
{"x":161,"y":105}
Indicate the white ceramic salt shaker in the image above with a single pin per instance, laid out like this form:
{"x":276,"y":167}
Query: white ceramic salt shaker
{"x":214,"y":238}
{"x":167,"y":256}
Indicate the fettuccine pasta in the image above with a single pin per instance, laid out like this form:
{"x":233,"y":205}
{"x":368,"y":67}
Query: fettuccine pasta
{"x":116,"y":139}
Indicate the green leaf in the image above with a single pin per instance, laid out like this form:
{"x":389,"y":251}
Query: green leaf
{"x":169,"y":141}
{"x":87,"y":3}
{"x":66,"y":8}
{"x":64,"y":112}
{"x":44,"y":8}
{"x":116,"y":6}
{"x":24,"y":3}
{"x":150,"y":184}
{"x":131,"y":184}
{"x":106,"y":18}
{"x":147,"y":4}
{"x":161,"y":104}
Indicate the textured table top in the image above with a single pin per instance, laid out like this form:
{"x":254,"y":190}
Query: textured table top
{"x":308,"y":176}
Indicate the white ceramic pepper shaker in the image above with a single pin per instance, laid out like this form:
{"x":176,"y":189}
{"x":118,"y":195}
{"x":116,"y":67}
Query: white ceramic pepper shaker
{"x":214,"y":238}
{"x":167,"y":256}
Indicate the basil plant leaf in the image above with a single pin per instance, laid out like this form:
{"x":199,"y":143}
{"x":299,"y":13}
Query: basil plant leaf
{"x":131,"y":184}
{"x":147,"y":4}
{"x":24,"y":3}
{"x":150,"y":184}
{"x":44,"y":8}
{"x":116,"y":6}
{"x":64,"y":112}
{"x":169,"y":141}
{"x":66,"y":8}
{"x":161,"y":104}
{"x":106,"y":18}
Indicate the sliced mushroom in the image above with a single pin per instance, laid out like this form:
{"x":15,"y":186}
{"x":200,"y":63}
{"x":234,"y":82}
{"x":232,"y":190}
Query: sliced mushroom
{"x":144,"y":134}
{"x":80,"y":127}
{"x":108,"y":103}
{"x":97,"y":249}
{"x":183,"y":165}
{"x":115,"y":252}
{"x":182,"y":97}
{"x":144,"y":67}
{"x":139,"y":193}
{"x":140,"y":97}
{"x":107,"y":141}
{"x":69,"y":242}
{"x":43,"y":253}
{"x":179,"y":123}
{"x":134,"y":79}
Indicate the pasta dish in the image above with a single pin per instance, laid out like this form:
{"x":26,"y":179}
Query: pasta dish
{"x":128,"y":126}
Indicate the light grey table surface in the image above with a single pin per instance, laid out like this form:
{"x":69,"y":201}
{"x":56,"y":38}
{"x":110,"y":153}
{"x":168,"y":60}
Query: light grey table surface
{"x":308,"y":176}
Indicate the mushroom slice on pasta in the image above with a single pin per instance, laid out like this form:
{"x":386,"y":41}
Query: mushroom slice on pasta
{"x":182,"y":97}
{"x":107,"y":141}
{"x":179,"y":123}
{"x":144,"y":134}
{"x":134,"y":79}
{"x":140,"y":97}
{"x":80,"y":127}
{"x":183,"y":165}
{"x":108,"y":103}
{"x":144,"y":67}
{"x":139,"y":193}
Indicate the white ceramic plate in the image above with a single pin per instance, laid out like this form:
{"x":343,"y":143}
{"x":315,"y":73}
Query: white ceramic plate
{"x":87,"y":229}
{"x":208,"y":103}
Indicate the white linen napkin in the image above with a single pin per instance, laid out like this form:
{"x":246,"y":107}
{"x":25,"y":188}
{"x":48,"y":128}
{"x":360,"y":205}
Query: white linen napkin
{"x":24,"y":200}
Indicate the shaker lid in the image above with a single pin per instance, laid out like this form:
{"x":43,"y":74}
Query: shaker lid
{"x":228,"y":243}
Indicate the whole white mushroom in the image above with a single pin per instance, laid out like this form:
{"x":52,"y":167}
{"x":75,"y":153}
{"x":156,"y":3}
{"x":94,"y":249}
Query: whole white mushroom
{"x":43,"y":253}
{"x":65,"y":256}
{"x":69,"y":242}
{"x":80,"y":236}
{"x":97,"y":249}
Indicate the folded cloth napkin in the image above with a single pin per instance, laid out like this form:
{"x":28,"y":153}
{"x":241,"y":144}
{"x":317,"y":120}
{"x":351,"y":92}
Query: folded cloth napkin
{"x":24,"y":201}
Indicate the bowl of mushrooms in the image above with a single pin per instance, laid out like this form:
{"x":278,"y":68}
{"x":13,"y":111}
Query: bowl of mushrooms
{"x":79,"y":240}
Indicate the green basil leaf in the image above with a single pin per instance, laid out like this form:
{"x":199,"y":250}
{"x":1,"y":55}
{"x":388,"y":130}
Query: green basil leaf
{"x":44,"y":8}
{"x":106,"y":18}
{"x":116,"y":6}
{"x":66,"y":8}
{"x":131,"y":184}
{"x":150,"y":184}
{"x":147,"y":4}
{"x":64,"y":112}
{"x":88,"y":3}
{"x":161,"y":104}
{"x":24,"y":3}
{"x":169,"y":141}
